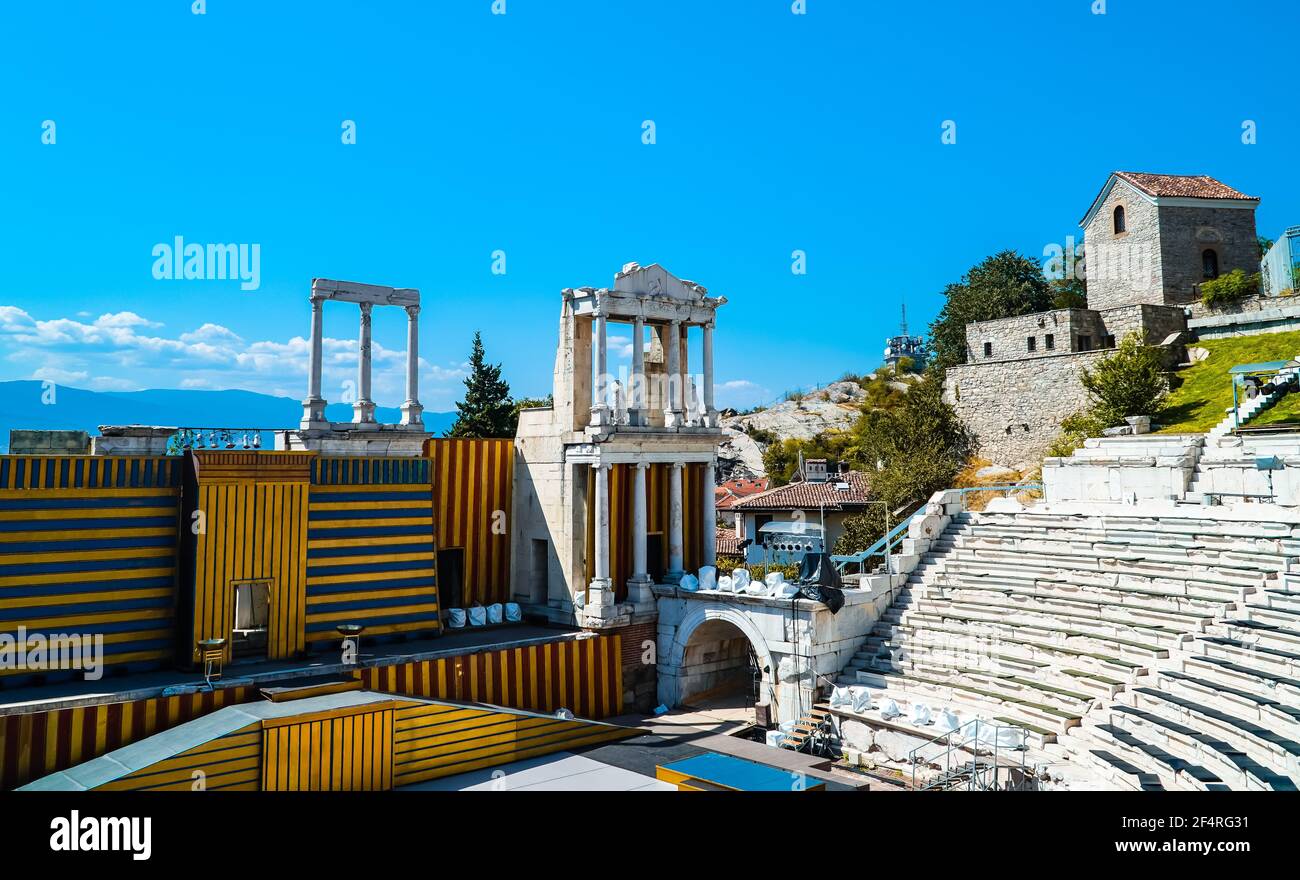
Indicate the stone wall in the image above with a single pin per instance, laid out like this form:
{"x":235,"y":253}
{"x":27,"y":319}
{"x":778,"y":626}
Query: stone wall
{"x":1123,"y":269}
{"x":1016,"y":407}
{"x":1186,"y":232}
{"x":1009,"y":337}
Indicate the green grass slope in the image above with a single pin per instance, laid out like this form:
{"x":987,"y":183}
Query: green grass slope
{"x":1204,"y":391}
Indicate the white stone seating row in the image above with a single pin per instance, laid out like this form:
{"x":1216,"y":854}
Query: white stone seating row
{"x":1273,"y":715}
{"x":1239,"y":526}
{"x":1125,"y":758}
{"x":1041,"y":719}
{"x":1227,"y":673}
{"x":1069,"y":660}
{"x":1112,"y":545}
{"x":1047,"y":565}
{"x":1127,"y":582}
{"x":1285,"y":619}
{"x":1246,"y":653}
{"x":1139,"y":654}
{"x":1153,"y":641}
{"x":962,"y":593}
{"x":1274,"y":751}
{"x":965,"y":712}
{"x":1276,"y":598}
{"x":941,"y":583}
{"x":1258,"y":633}
{"x":1235,"y":767}
{"x":1043,"y":685}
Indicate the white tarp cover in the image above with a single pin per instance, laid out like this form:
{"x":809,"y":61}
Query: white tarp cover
{"x":456,"y":618}
{"x":494,"y":613}
{"x":477,"y":615}
{"x":861,"y":699}
{"x":785,"y":591}
{"x":514,"y":614}
{"x":889,"y":709}
{"x":774,"y":738}
{"x":1003,"y":737}
{"x":725,"y":584}
{"x":689,"y":583}
{"x":921,"y":714}
{"x":842,"y":696}
{"x":773,"y":578}
{"x":708,"y":577}
{"x":947,"y":721}
{"x":740,"y":577}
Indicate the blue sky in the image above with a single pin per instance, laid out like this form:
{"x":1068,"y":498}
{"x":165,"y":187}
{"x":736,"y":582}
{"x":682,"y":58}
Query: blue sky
{"x":522,"y":132}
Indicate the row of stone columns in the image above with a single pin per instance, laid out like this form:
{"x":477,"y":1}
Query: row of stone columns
{"x":674,"y":402}
{"x":640,"y":569}
{"x":363,"y":410}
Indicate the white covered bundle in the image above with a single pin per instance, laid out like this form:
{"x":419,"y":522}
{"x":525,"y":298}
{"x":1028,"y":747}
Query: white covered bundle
{"x":514,"y":614}
{"x":708,"y":577}
{"x":456,"y":618}
{"x":1001,"y":736}
{"x":841,"y":696}
{"x":477,"y":616}
{"x":740,"y":577}
{"x":689,"y":583}
{"x":861,"y":700}
{"x":920,"y":714}
{"x":948,"y":721}
{"x":725,"y":584}
{"x":494,"y":613}
{"x":785,"y":590}
{"x":773,"y":578}
{"x":889,"y":709}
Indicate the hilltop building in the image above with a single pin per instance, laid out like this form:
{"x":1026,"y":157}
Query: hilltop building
{"x":907,"y":346}
{"x":1151,"y":240}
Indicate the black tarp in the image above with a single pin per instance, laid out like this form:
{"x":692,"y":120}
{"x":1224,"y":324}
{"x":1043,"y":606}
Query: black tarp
{"x":820,"y":581}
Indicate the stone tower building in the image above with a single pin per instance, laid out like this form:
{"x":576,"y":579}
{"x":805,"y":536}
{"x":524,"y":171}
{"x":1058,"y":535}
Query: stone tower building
{"x":1153,"y":238}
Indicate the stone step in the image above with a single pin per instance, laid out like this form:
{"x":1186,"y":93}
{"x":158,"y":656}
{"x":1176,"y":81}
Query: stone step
{"x":939,"y":693}
{"x":1236,"y":675}
{"x":1276,"y":752}
{"x":1173,"y":772}
{"x":1192,"y":606}
{"x":964,"y":595}
{"x":1272,"y":715}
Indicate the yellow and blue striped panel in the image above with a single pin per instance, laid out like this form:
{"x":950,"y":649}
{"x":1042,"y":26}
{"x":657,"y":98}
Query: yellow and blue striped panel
{"x":370,"y":549}
{"x":88,"y":548}
{"x":473,"y":491}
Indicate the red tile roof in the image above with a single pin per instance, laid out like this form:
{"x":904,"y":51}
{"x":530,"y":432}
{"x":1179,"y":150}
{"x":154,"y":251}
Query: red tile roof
{"x":811,"y":496}
{"x":1192,"y":186}
{"x":727,"y":544}
{"x":728,"y":493}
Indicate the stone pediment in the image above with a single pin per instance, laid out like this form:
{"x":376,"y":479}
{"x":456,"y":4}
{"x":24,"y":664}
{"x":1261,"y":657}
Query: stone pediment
{"x":655,"y":280}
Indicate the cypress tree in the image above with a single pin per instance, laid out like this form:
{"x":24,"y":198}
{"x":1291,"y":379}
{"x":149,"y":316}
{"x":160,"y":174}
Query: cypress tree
{"x":487,"y":408}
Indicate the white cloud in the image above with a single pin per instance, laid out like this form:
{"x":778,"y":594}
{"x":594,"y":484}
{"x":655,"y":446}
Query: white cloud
{"x":114,"y":352}
{"x":740,"y":394}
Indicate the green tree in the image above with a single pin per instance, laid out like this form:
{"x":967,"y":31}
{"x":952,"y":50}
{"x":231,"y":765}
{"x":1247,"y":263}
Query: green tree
{"x":1130,"y":382}
{"x":487,"y":410}
{"x":1002,"y":286}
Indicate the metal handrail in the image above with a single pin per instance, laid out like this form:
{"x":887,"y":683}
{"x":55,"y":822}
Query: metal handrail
{"x":975,"y":774}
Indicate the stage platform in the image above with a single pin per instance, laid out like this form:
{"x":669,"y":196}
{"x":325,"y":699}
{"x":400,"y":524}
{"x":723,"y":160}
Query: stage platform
{"x":165,"y":683}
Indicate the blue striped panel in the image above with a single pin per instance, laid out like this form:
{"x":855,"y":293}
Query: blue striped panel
{"x":417,"y":621}
{"x":370,"y":513}
{"x":374,"y":550}
{"x":62,"y":525}
{"x":424,"y":580}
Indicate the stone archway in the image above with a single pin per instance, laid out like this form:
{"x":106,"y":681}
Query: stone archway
{"x":682,"y":673}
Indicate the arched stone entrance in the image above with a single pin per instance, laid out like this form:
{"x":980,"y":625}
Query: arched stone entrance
{"x":706,"y":656}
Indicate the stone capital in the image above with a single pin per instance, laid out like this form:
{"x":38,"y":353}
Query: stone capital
{"x":412,"y":312}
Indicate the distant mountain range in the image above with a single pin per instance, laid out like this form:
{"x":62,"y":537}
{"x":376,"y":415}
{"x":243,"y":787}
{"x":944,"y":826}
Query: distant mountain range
{"x":75,"y":409}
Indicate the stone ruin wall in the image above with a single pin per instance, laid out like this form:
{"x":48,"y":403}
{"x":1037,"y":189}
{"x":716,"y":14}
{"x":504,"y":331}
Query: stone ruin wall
{"x":1016,"y":407}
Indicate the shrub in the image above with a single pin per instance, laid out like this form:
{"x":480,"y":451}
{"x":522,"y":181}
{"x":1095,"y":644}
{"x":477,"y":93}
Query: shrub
{"x":1074,"y":430}
{"x":1130,"y":382}
{"x":1230,"y":289}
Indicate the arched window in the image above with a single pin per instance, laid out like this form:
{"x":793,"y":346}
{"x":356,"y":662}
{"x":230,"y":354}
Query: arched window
{"x":1119,"y":219}
{"x":1209,"y":263}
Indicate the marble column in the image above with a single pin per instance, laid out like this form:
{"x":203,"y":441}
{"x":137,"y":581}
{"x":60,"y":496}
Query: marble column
{"x":685,"y":400}
{"x":636,"y":404}
{"x":600,"y":410}
{"x":675,"y":541}
{"x":313,"y":408}
{"x":602,"y":524}
{"x":363,"y":411}
{"x":412,"y":411}
{"x":638,"y":587}
{"x":710,"y":517}
{"x":710,"y":413}
{"x":673,"y":400}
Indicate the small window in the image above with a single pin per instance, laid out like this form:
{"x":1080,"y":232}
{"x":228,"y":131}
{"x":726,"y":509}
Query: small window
{"x":1108,"y":341}
{"x":1119,"y":220}
{"x":1049,"y":341}
{"x":988,"y":349}
{"x":1031,"y":343}
{"x":1085,"y":343}
{"x":1209,"y":263}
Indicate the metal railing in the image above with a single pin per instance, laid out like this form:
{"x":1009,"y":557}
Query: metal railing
{"x":976,"y":774}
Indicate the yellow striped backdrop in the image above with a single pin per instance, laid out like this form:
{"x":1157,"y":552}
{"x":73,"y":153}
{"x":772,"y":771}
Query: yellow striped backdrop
{"x":473,"y":488}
